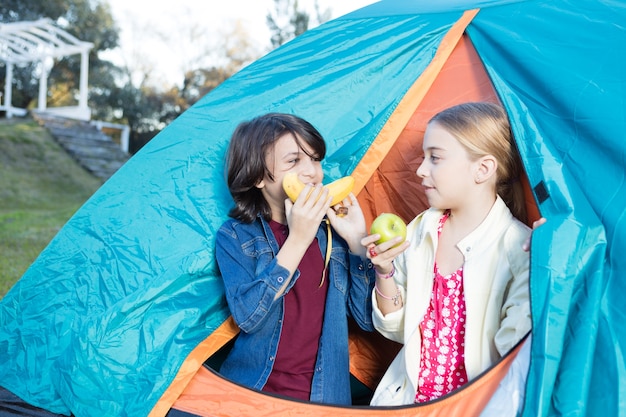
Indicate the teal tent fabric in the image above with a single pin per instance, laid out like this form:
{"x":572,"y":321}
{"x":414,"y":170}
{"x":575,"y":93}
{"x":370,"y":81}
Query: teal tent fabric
{"x":103,"y":319}
{"x":564,"y":87}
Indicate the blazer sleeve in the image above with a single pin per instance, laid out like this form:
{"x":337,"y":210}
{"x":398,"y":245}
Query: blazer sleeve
{"x":515,"y":313}
{"x":393,"y":324}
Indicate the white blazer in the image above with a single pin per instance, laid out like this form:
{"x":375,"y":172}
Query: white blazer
{"x":495,"y":277}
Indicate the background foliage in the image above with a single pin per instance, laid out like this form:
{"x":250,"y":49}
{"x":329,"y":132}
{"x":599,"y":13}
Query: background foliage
{"x":125,"y":94}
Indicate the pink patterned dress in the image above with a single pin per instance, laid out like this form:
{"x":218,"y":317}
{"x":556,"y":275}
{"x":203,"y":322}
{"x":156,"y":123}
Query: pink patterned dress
{"x":442,"y":365}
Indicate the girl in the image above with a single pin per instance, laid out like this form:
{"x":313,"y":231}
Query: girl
{"x":291,"y":279}
{"x":457,"y":294}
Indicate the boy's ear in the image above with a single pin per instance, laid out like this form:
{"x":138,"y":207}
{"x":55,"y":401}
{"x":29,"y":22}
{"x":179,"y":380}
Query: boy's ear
{"x":485,"y":169}
{"x":260,"y":184}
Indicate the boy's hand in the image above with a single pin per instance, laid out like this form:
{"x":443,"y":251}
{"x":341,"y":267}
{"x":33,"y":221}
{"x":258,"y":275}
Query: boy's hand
{"x":348,"y":221}
{"x":307,"y":212}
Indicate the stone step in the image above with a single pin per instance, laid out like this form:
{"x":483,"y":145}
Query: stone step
{"x":92,"y":149}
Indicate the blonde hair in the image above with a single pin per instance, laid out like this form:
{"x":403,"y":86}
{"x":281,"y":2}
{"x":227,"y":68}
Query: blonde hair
{"x":483,"y":129}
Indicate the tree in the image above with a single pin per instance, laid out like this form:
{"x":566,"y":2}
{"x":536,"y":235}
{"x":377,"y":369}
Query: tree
{"x":234,"y":52}
{"x":205,"y":62}
{"x":20,"y":10}
{"x":84,"y":19}
{"x":288,"y":21}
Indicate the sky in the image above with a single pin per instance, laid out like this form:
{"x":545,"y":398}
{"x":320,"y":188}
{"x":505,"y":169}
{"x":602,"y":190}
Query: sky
{"x":166,"y":37}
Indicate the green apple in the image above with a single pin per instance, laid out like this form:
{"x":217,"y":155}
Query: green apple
{"x":388,"y":226}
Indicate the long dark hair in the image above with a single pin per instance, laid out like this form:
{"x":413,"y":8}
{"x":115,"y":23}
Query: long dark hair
{"x":245,"y":159}
{"x":483,"y":128}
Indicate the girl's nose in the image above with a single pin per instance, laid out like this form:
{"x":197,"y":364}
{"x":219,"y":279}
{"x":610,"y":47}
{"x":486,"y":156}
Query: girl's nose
{"x":421,"y":170}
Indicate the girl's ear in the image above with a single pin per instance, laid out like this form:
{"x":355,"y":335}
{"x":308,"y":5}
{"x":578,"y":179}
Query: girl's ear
{"x":260,"y":184}
{"x":485,"y":169}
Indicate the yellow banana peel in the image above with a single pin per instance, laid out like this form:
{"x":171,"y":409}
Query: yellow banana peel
{"x":338,"y":189}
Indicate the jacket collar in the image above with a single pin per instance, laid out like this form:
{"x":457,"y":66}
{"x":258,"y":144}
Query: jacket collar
{"x":482,"y":236}
{"x":488,"y":231}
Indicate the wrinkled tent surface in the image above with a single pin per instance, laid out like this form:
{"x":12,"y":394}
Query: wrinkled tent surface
{"x":103,"y":320}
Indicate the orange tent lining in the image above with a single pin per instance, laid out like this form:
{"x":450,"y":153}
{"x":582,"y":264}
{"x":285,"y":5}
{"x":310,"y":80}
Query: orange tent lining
{"x":222,"y":335}
{"x":208,"y":394}
{"x":402,"y":114}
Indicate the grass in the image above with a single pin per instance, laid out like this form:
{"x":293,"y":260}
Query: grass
{"x":41,"y":187}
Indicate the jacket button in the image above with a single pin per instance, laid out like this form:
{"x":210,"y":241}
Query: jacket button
{"x":280,"y":279}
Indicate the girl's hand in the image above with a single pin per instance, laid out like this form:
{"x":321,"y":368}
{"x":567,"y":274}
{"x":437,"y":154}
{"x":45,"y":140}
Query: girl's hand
{"x":348,"y":221}
{"x":383,"y":254}
{"x":536,"y":224}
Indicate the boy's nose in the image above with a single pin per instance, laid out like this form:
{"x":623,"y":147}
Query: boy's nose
{"x":310,"y":169}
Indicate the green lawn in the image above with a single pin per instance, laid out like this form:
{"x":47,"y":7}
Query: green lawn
{"x":41,"y":187}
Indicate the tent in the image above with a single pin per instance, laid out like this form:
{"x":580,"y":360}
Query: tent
{"x":118,"y":313}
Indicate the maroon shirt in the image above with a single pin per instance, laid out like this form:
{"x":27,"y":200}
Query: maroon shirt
{"x":292,"y":372}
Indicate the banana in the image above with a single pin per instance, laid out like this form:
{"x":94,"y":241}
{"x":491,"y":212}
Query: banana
{"x":292,"y":185}
{"x":338,"y":189}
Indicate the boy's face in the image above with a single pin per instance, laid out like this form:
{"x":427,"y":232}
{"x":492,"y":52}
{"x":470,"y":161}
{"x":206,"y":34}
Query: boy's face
{"x":286,"y":156}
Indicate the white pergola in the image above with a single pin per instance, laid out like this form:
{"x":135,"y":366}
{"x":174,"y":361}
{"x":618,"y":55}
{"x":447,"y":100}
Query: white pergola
{"x":41,"y":41}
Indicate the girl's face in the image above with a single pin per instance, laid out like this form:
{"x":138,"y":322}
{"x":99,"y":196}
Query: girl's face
{"x":447,"y":172}
{"x":286,"y":156}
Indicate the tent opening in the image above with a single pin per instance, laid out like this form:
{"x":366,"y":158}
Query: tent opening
{"x":393,"y":187}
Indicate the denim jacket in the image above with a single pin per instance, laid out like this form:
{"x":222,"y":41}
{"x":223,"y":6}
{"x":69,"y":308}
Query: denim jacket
{"x":246,"y":255}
